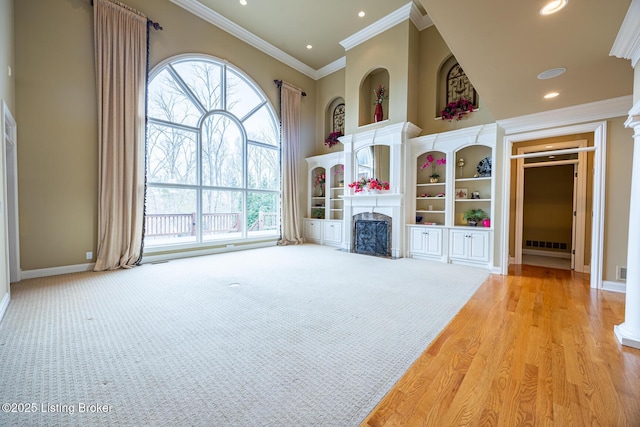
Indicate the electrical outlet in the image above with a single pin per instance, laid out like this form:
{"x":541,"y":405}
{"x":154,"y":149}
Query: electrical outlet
{"x":89,"y":255}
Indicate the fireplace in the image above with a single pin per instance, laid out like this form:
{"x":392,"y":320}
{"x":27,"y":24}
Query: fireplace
{"x":371,"y":234}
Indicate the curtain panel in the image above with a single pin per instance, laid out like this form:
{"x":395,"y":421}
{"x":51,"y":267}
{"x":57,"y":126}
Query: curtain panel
{"x":290,"y":104}
{"x":120,"y":38}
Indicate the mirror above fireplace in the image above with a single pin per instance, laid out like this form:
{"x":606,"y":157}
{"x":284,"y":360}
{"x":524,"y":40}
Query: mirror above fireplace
{"x":373,"y":161}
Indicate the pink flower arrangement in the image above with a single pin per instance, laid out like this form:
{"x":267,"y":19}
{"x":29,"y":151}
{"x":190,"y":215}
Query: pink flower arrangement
{"x":456,"y":110}
{"x":433,"y":162}
{"x":319,"y":179}
{"x":332,"y":139}
{"x":369,"y":184}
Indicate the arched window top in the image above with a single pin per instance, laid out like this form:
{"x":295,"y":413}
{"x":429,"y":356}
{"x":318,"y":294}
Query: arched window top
{"x":213,"y":155}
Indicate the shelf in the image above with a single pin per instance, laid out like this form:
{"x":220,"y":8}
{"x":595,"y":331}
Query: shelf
{"x":430,"y":184}
{"x":430,"y":198}
{"x":473,"y":200}
{"x":427,"y":211}
{"x":479,"y":178}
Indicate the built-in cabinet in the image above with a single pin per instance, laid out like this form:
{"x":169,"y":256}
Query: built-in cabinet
{"x":434,"y":180}
{"x":323,"y":222}
{"x":450,"y":174}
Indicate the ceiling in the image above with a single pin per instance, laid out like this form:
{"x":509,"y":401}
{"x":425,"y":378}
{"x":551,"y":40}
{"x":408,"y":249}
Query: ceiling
{"x":501,"y":44}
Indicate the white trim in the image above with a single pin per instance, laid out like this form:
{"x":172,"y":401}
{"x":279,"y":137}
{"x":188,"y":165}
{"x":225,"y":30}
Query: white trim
{"x":148,"y":259}
{"x":55,"y":271}
{"x":549,"y":254}
{"x":246,"y":36}
{"x":408,"y":11}
{"x":11,"y":192}
{"x":627,"y":43}
{"x":611,"y":286}
{"x":4,"y":304}
{"x":336,"y":65}
{"x":538,"y":131}
{"x":380,"y":26}
{"x":600,"y":110}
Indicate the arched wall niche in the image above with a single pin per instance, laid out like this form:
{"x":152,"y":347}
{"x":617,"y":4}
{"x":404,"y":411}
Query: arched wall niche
{"x":366,"y":103}
{"x":334,"y":116}
{"x":453,"y":84}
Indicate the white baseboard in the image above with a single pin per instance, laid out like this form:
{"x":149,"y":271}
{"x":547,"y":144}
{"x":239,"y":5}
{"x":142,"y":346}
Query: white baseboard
{"x":546,"y":253}
{"x":54,"y":271}
{"x":4,"y":304}
{"x":608,"y":285}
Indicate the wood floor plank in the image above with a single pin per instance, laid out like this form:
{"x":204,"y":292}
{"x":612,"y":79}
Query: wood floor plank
{"x":532,"y":348}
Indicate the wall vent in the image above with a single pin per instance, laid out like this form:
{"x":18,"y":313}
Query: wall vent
{"x":543,"y":244}
{"x":622,"y":273}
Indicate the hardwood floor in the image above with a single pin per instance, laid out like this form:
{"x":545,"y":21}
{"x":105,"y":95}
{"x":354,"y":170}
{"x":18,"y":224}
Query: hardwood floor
{"x":534,"y":348}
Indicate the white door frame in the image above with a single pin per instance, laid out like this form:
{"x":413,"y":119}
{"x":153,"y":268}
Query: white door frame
{"x":11,"y":192}
{"x":580,"y":217}
{"x":599,"y":130}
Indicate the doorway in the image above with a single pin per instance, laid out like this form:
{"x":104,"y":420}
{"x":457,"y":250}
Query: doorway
{"x":568,"y":208}
{"x":549,"y":207}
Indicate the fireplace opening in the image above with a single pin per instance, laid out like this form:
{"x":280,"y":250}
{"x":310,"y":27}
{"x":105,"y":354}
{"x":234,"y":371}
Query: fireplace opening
{"x":372,"y":234}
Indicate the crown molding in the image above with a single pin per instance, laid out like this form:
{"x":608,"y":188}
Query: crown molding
{"x":380,"y":26}
{"x":408,"y":11}
{"x":336,"y":65}
{"x":246,"y":36}
{"x":599,"y":110}
{"x":627,"y":43}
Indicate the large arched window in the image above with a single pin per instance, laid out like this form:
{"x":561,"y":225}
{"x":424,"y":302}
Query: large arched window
{"x":213,"y":155}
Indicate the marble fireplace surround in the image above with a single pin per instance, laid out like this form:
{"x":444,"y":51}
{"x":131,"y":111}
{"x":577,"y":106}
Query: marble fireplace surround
{"x":389,"y":203}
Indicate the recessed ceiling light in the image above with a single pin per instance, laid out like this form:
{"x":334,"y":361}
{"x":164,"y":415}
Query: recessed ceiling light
{"x":553,"y":7}
{"x":548,"y":146}
{"x":309,"y":46}
{"x":551,"y":95}
{"x":554,"y":72}
{"x":361,"y":14}
{"x":243,"y":2}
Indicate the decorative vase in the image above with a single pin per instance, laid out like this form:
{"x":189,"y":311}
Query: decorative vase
{"x":433,"y":180}
{"x":486,"y":222}
{"x":377,"y":115}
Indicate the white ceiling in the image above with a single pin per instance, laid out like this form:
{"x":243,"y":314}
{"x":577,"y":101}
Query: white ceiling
{"x":501,"y":44}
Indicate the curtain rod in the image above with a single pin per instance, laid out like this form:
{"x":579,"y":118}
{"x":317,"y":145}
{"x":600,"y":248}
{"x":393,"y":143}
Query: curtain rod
{"x":155,"y":25}
{"x":279,"y":84}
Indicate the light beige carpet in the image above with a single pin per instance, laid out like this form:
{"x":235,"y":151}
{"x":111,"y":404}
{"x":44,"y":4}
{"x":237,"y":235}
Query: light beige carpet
{"x":281,"y":336}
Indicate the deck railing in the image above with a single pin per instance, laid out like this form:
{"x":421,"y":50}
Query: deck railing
{"x":162,"y":225}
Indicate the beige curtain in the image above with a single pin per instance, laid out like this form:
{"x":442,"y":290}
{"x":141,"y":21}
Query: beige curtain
{"x":290,"y":100}
{"x":120,"y":37}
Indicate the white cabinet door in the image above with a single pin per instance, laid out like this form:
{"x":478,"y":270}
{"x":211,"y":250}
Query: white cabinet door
{"x":458,"y":244}
{"x":433,"y":241}
{"x":469,"y":245}
{"x":478,"y":246}
{"x":312,"y":230}
{"x":332,"y":232}
{"x":425,"y":241}
{"x":417,"y":243}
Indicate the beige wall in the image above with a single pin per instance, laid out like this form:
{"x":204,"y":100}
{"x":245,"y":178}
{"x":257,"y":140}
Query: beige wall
{"x":328,"y":89}
{"x":6,"y":96}
{"x":56,"y":113}
{"x":433,"y":53}
{"x":388,"y":50}
{"x":618,"y":193}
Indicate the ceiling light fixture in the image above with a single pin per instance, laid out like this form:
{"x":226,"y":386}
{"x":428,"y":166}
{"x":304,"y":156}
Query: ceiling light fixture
{"x":309,"y":46}
{"x":361,"y":14}
{"x":553,"y":72}
{"x":553,"y":7}
{"x":551,"y":95}
{"x":243,"y":2}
